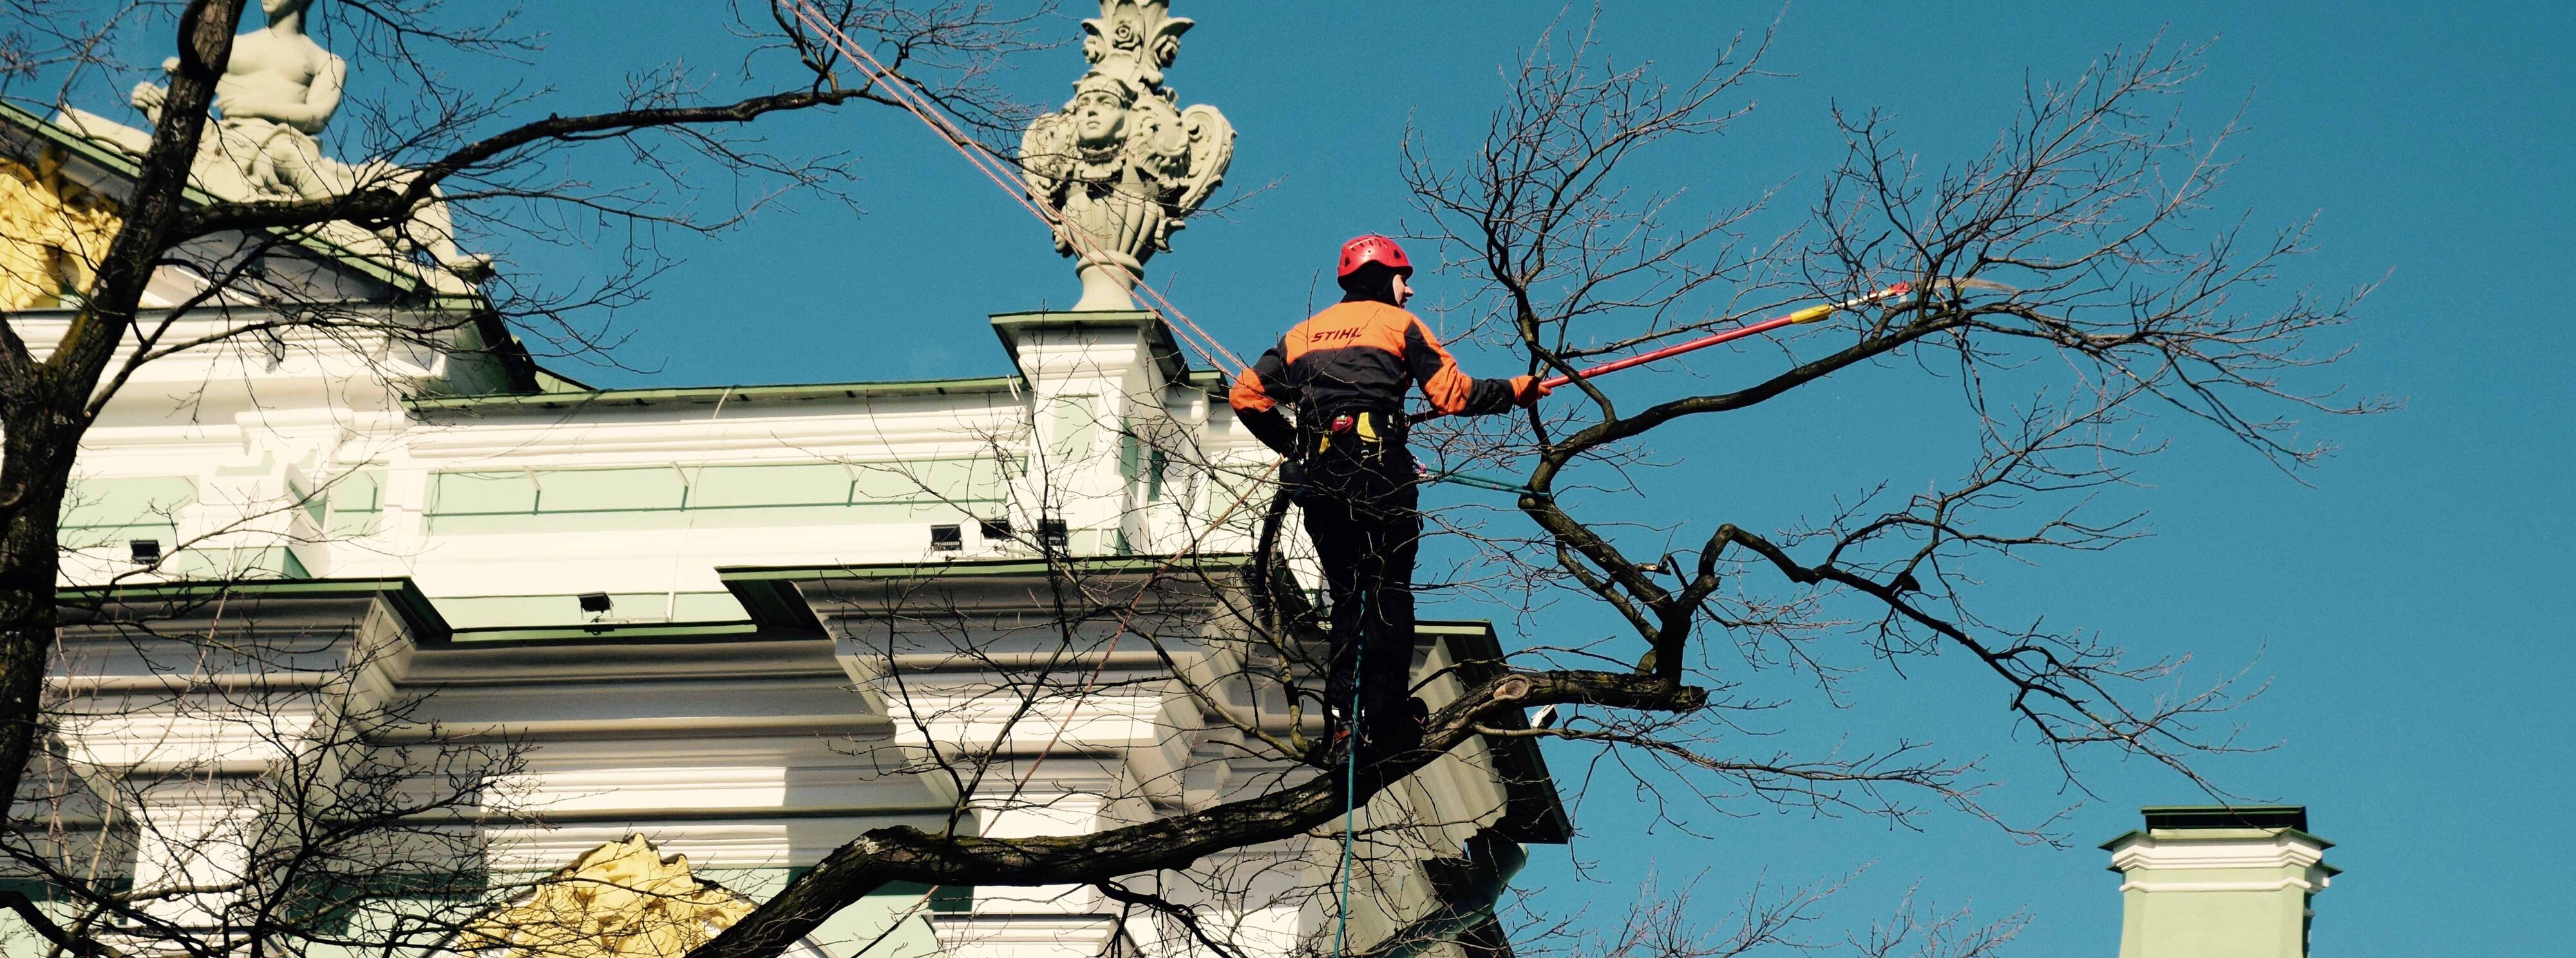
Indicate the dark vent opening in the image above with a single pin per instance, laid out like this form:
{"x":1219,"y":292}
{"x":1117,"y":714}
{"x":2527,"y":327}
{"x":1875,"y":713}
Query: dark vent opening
{"x":2227,"y":816}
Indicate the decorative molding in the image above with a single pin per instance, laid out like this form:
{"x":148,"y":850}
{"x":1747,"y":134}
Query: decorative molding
{"x":2281,"y":850}
{"x":621,"y":900}
{"x":1031,"y":936}
{"x":613,"y":729}
{"x":2257,"y":886}
{"x":51,"y":233}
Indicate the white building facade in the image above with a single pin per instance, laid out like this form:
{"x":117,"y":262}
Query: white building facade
{"x":740,"y":624}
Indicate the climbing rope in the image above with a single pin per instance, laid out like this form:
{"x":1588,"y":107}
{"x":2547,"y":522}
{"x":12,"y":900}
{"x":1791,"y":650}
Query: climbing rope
{"x":1351,"y":780}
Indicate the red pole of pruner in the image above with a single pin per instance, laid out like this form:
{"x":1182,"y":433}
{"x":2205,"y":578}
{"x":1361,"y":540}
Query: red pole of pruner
{"x":1807,"y":315}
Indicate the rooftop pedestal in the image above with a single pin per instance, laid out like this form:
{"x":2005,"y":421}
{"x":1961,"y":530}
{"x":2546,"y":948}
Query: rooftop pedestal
{"x":2206,"y":881}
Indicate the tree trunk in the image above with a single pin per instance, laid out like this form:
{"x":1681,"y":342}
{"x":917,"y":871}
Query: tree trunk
{"x":46,"y":404}
{"x":34,"y":473}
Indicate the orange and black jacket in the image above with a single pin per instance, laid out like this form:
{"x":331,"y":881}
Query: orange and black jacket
{"x":1357,"y":356}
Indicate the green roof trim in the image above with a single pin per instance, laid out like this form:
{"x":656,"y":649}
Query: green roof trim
{"x":2293,"y":817}
{"x":1208,"y":381}
{"x":2222,"y":820}
{"x":401,"y":592}
{"x":775,"y":604}
{"x":1532,"y":811}
{"x":989,"y":568}
{"x":109,"y":160}
{"x":711,"y":395}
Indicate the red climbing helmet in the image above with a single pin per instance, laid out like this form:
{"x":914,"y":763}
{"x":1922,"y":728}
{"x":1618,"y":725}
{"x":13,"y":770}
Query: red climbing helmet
{"x":1373,"y":248}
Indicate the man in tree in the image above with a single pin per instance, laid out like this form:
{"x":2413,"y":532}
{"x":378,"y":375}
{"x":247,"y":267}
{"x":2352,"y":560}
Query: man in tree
{"x":1346,"y":370}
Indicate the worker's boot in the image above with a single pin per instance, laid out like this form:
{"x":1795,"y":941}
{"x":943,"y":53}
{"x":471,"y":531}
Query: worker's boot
{"x":1386,"y":737}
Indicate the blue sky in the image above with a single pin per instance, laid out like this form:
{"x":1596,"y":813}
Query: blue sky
{"x":2408,"y":605}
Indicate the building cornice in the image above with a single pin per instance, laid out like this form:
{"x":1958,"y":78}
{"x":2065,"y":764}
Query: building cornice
{"x":1166,"y":351}
{"x":183,"y":602}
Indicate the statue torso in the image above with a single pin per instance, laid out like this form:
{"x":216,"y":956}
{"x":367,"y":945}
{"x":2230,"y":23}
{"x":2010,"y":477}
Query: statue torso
{"x":272,"y":76}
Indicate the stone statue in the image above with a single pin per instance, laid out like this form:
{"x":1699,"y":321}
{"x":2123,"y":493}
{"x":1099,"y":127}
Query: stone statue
{"x":1120,"y":166}
{"x":272,"y":103}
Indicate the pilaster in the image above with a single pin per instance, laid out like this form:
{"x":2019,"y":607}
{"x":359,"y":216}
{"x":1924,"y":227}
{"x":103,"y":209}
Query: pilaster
{"x":2219,"y":882}
{"x":1097,"y":379}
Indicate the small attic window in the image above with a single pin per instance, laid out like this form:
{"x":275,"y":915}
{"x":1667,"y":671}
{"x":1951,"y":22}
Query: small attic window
{"x":995,"y":529}
{"x":947,"y":537}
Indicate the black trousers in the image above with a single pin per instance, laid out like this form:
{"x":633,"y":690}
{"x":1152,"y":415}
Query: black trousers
{"x":1361,"y":512}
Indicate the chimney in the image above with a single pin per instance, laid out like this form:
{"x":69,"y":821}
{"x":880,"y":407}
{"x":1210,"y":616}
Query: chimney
{"x":2219,"y":881}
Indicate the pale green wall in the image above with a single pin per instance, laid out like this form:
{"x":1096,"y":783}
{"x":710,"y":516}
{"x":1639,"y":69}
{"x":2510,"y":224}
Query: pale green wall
{"x":531,"y":611}
{"x":2214,"y":924}
{"x":664,"y":497}
{"x":102,"y":515}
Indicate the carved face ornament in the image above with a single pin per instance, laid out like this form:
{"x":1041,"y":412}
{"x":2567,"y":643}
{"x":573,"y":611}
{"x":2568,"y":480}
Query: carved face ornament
{"x":1099,"y":119}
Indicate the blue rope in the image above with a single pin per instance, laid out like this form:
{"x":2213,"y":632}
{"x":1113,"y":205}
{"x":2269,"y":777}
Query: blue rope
{"x":1482,"y":482}
{"x":1351,"y":779}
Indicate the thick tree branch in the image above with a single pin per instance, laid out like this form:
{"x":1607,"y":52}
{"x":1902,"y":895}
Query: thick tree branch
{"x":71,"y":943}
{"x":907,"y":854}
{"x":382,"y":204}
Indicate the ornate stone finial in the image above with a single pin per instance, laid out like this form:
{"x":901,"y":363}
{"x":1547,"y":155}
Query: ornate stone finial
{"x":1121,"y":166}
{"x":620,"y":900}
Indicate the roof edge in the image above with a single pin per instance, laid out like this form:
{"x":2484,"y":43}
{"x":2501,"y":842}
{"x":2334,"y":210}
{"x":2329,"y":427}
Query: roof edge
{"x":979,"y":568}
{"x":399,"y":591}
{"x":1159,"y":342}
{"x":1533,"y":812}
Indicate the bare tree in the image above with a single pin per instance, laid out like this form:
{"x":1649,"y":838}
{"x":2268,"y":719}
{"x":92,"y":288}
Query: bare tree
{"x":2065,"y":241}
{"x":2072,"y":239}
{"x":441,"y":144}
{"x":279,"y":805}
{"x":353,"y":816}
{"x":2076,"y":238}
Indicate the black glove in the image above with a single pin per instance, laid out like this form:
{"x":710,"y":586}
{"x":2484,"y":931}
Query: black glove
{"x":1293,"y":481}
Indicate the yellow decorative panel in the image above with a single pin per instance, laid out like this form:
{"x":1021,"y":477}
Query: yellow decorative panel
{"x":51,"y":234}
{"x":620,"y":900}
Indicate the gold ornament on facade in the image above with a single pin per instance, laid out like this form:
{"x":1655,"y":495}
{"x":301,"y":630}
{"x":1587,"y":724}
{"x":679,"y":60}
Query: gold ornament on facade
{"x":620,"y":900}
{"x":52,"y":233}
